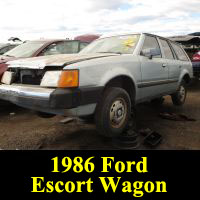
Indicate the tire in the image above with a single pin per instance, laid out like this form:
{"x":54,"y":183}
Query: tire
{"x":179,"y":97}
{"x":114,"y":101}
{"x":45,"y":115}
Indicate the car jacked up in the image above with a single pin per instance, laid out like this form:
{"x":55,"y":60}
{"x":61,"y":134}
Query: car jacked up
{"x":105,"y":80}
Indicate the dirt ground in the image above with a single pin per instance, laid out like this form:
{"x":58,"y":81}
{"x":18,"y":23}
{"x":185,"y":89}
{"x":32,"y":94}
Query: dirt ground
{"x":22,"y":129}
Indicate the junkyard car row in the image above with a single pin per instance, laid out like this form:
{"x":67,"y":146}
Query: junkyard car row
{"x":105,"y":80}
{"x":40,"y":48}
{"x":191,"y":44}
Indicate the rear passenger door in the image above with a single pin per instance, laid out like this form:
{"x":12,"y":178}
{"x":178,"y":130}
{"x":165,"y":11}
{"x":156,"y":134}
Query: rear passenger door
{"x":182,"y":59}
{"x":154,"y":70}
{"x":172,"y":63}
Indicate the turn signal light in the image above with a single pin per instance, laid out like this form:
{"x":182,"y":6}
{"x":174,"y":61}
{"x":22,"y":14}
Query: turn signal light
{"x":69,"y":79}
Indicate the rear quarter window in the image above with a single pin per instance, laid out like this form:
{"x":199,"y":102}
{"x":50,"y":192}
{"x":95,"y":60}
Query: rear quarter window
{"x":179,"y":52}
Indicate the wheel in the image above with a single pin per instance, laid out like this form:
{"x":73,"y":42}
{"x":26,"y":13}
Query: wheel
{"x":113,"y":112}
{"x":158,"y":101}
{"x":45,"y":115}
{"x":179,"y":97}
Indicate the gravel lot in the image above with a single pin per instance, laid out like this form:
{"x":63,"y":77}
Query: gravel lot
{"x":22,"y":129}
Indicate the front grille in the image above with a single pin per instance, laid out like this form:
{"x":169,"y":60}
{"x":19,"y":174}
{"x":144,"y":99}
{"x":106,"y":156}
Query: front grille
{"x":27,"y":76}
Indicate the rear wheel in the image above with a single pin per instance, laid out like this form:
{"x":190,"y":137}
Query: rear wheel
{"x":113,"y":112}
{"x":179,"y":97}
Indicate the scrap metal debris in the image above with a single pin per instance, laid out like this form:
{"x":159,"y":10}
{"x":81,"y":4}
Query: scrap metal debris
{"x":67,"y":120}
{"x":151,"y":138}
{"x":12,"y":114}
{"x":175,"y":117}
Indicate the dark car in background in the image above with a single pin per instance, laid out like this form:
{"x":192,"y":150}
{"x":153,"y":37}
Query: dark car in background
{"x":6,"y":47}
{"x":191,"y":44}
{"x":196,"y":64}
{"x":40,"y":48}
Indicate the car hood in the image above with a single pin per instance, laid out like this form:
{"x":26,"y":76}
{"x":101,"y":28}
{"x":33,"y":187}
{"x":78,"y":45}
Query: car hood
{"x":4,"y":59}
{"x":54,"y":60}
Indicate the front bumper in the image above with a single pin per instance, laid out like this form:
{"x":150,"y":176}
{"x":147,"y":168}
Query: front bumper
{"x":49,"y":100}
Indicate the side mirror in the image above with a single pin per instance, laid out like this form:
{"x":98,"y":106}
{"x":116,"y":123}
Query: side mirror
{"x":150,"y":53}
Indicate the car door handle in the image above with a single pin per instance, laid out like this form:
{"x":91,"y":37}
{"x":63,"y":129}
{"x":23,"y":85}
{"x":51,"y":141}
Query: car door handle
{"x":180,"y":66}
{"x":164,"y":65}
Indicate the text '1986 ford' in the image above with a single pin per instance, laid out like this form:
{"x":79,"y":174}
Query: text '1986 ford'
{"x":105,"y":80}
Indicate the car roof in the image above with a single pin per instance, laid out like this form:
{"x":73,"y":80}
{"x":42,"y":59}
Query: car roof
{"x":134,"y":33}
{"x":87,"y":38}
{"x":49,"y":40}
{"x":161,"y":37}
{"x":115,"y":35}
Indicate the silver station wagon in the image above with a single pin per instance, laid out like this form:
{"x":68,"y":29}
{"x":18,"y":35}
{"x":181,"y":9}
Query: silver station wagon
{"x":105,"y":80}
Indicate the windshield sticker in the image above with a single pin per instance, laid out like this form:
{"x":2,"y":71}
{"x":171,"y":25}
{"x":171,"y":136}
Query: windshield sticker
{"x":130,"y":42}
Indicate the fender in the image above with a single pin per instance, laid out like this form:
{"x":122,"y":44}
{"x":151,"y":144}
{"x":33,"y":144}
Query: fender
{"x":116,"y":72}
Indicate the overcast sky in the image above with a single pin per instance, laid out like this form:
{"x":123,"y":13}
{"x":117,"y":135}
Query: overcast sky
{"x":33,"y":19}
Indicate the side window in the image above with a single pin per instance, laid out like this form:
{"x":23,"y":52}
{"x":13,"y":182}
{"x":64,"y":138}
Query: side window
{"x":67,"y":47}
{"x":179,"y":52}
{"x":50,"y":50}
{"x":70,"y":47}
{"x":167,"y":50}
{"x":151,"y":42}
{"x":83,"y":45}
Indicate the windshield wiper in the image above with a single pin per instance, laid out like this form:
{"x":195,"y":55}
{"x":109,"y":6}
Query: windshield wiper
{"x":8,"y":55}
{"x":110,"y":52}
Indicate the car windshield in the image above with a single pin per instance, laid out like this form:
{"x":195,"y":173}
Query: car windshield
{"x":124,"y":44}
{"x":25,"y":50}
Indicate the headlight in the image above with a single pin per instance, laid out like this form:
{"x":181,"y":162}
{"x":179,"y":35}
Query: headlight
{"x":61,"y":79}
{"x":50,"y":79}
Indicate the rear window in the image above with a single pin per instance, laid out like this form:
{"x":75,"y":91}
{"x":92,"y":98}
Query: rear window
{"x":179,"y":52}
{"x":65,"y":47}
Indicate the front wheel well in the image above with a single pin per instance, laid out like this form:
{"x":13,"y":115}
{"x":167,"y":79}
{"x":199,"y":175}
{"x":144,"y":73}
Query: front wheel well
{"x":186,"y":78}
{"x":125,"y":83}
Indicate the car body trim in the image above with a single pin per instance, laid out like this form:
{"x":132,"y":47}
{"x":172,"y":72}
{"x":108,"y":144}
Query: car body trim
{"x":154,"y":83}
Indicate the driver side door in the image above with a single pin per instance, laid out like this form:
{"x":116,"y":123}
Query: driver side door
{"x":154,"y":70}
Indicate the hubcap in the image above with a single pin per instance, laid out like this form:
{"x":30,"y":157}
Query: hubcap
{"x":182,"y":93}
{"x":118,"y":113}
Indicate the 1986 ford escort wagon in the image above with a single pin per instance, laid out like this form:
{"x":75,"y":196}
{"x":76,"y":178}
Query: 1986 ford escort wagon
{"x":106,"y":79}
